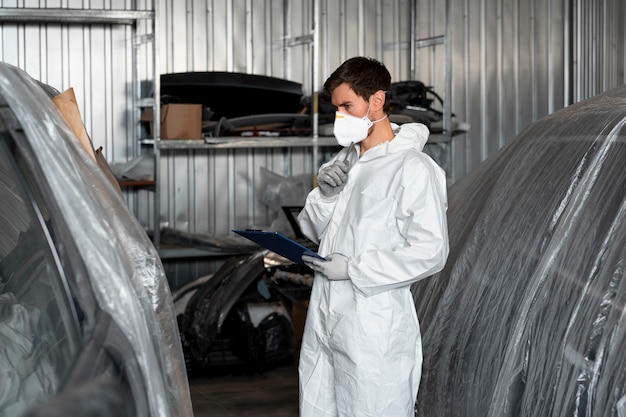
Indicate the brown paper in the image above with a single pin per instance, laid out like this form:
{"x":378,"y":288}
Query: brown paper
{"x":67,"y":105}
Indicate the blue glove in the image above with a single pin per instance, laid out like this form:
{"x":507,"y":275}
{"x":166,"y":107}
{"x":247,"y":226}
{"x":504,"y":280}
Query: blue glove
{"x":332,"y":178}
{"x":334,"y":268}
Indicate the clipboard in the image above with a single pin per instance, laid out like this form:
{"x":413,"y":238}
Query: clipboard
{"x":278,"y":243}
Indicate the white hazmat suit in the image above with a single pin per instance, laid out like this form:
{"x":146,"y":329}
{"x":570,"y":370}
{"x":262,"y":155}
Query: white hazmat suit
{"x":361,"y":352}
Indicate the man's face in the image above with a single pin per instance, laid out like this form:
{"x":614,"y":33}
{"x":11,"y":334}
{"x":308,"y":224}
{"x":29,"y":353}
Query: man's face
{"x":345,"y":100}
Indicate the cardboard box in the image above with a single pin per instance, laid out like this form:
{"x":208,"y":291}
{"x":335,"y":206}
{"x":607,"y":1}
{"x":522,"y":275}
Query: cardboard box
{"x":178,"y":121}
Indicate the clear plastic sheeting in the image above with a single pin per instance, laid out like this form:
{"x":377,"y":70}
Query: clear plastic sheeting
{"x":19,"y":326}
{"x":528,"y":317}
{"x":123,"y":267}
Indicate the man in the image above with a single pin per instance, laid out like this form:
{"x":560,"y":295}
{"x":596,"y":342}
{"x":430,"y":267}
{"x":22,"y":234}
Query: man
{"x":379,"y":215}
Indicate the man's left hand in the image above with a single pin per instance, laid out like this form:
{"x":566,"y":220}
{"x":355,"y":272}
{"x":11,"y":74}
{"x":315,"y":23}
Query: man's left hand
{"x":334,"y":268}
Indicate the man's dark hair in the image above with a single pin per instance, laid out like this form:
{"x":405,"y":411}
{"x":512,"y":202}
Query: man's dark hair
{"x":364,"y":75}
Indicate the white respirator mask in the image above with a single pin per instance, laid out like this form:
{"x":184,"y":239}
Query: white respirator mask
{"x":350,"y":129}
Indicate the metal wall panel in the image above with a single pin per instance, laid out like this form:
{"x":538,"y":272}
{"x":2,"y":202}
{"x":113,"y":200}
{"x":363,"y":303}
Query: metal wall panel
{"x":597,"y":47}
{"x":94,"y":59}
{"x":515,"y":61}
{"x":270,"y":37}
{"x":211,"y":191}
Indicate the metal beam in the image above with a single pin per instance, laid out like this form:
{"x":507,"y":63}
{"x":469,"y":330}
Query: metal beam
{"x":78,"y":16}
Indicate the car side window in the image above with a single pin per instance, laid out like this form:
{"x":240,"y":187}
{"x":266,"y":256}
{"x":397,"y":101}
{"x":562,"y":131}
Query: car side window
{"x":38,"y":329}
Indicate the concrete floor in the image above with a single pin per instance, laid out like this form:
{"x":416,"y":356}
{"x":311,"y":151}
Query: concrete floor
{"x":274,"y":393}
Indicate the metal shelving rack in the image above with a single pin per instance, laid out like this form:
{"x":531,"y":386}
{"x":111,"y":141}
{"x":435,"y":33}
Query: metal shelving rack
{"x":233,"y":142}
{"x":245,"y":143}
{"x":314,"y":142}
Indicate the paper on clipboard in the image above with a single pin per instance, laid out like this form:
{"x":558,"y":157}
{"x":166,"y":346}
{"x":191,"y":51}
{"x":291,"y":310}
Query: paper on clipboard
{"x":278,"y":243}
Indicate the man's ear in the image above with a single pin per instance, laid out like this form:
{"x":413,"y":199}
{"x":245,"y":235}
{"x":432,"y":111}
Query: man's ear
{"x":378,"y":100}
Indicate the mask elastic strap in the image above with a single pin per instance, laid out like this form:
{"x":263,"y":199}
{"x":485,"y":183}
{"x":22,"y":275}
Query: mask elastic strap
{"x":368,"y":114}
{"x":382,"y":118}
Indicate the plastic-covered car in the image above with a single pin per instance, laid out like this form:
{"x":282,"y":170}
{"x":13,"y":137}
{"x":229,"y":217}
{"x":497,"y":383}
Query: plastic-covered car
{"x":87,"y":325}
{"x":528,"y":317}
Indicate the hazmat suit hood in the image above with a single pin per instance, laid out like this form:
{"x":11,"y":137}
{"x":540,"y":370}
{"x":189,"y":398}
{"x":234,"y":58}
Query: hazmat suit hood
{"x":407,"y":136}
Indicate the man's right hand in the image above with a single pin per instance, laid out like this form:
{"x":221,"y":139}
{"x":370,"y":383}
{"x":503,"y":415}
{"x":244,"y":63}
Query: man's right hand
{"x":332,"y":178}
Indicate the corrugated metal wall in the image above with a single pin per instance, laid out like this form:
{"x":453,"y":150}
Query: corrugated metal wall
{"x":515,"y":61}
{"x":512,"y":62}
{"x":96,"y":60}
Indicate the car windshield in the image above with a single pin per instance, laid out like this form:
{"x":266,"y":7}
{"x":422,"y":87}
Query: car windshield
{"x":38,"y":326}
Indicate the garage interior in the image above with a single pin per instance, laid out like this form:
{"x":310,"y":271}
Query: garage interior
{"x":244,"y":127}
